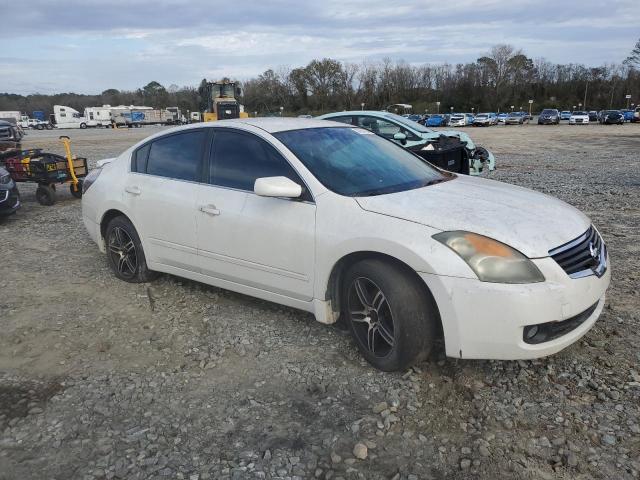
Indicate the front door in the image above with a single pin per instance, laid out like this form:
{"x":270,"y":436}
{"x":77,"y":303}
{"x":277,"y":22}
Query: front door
{"x":260,"y":242}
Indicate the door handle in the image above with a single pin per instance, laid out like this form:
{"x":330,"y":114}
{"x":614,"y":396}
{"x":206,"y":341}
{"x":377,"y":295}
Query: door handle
{"x":133,"y":190}
{"x":209,"y":210}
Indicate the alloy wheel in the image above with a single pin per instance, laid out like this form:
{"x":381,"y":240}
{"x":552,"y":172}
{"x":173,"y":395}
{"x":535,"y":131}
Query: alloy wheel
{"x":371,"y":317}
{"x":123,"y":252}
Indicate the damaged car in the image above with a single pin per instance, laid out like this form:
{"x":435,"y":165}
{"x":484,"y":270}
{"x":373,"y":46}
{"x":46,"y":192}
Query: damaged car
{"x":420,"y":139}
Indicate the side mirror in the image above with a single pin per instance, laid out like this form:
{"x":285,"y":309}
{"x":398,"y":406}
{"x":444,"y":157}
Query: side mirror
{"x":277,"y":187}
{"x":400,"y":137}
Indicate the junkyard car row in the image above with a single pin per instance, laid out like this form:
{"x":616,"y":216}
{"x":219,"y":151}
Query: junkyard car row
{"x":334,"y":219}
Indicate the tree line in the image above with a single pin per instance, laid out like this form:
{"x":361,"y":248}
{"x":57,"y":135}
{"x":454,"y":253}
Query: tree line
{"x":502,"y":77}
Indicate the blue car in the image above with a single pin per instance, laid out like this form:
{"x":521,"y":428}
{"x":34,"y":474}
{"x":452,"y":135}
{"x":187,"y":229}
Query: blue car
{"x":502,"y":117}
{"x":565,"y":115}
{"x":436,"y":121}
{"x":628,"y":115}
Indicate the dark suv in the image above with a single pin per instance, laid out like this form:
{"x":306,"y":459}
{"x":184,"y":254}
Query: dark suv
{"x":10,"y":138}
{"x":549,"y":116}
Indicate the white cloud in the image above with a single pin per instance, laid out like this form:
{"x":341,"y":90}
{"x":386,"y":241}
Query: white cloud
{"x":125,"y":44}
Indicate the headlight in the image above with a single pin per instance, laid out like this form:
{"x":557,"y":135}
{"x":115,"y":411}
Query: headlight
{"x":5,"y":179}
{"x":491,"y":260}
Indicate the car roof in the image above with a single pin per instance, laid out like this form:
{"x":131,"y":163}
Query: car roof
{"x":281,"y":124}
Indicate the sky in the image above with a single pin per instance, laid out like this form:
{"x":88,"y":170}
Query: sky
{"x":86,"y":46}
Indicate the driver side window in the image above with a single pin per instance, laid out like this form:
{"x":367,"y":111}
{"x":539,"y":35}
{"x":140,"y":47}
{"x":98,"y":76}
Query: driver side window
{"x":383,"y":128}
{"x":239,"y":158}
{"x":379,"y":127}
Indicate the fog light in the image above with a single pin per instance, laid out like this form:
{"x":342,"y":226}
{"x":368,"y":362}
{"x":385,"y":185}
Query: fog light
{"x":530,"y":332}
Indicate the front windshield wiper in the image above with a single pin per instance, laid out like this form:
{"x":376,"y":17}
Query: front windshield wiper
{"x":399,"y":188}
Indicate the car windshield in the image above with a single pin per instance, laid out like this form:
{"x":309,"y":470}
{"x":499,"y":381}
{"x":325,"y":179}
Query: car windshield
{"x":408,"y":123}
{"x":549,"y":112}
{"x":579,"y":113}
{"x":356,"y":163}
{"x":482,"y":115}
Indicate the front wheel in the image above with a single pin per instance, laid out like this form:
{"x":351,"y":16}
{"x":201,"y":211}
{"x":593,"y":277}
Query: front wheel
{"x":125,"y":253}
{"x":392,"y":317}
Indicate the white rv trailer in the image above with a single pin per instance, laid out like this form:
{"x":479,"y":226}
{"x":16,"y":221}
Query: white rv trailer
{"x":67,"y":117}
{"x":98,"y":116}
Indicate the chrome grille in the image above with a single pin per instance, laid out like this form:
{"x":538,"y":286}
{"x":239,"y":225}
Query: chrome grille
{"x":583,"y":256}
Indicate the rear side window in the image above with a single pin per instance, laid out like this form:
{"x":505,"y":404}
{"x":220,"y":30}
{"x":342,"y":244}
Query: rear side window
{"x":240,"y":158}
{"x":139,"y":160}
{"x":347,"y":120}
{"x":177,"y":156}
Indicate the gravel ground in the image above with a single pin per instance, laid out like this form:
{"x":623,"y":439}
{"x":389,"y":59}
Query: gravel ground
{"x":174,"y":379}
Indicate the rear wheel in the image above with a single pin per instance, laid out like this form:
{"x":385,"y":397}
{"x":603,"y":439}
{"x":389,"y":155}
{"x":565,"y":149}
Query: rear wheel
{"x":125,"y":253}
{"x":391,"y":316}
{"x":83,"y":125}
{"x":46,"y":195}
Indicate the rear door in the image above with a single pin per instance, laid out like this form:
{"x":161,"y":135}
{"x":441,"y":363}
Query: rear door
{"x":260,"y":242}
{"x":161,"y":196}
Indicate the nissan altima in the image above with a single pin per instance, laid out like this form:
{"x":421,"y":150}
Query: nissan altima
{"x":335,"y":220}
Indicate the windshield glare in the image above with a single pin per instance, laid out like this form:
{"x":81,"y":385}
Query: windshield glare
{"x":408,"y":123}
{"x":355,"y":162}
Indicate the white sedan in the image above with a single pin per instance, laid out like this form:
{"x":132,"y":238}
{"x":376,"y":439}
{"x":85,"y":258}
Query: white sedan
{"x":578,"y":118}
{"x":332,"y":219}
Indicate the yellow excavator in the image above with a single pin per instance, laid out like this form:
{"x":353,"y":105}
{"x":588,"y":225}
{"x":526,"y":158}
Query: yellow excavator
{"x":221,"y":101}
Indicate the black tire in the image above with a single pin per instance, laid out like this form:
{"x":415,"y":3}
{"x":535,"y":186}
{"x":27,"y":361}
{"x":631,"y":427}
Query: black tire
{"x":125,"y":254}
{"x":401,"y":329}
{"x":83,"y":125}
{"x":48,"y":126}
{"x":39,"y":127}
{"x":45,"y":195}
{"x":76,"y":193}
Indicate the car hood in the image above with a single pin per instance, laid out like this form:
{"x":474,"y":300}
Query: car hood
{"x":450,"y":133}
{"x":528,"y":221}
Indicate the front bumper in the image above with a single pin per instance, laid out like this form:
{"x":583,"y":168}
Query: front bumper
{"x":9,"y":201}
{"x":487,"y":320}
{"x":547,"y":121}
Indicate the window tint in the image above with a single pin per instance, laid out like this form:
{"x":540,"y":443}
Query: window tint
{"x":240,"y":158}
{"x":139,"y":160}
{"x":177,"y":156}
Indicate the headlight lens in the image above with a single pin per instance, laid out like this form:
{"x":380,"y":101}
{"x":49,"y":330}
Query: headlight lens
{"x":491,"y":260}
{"x":5,"y":179}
